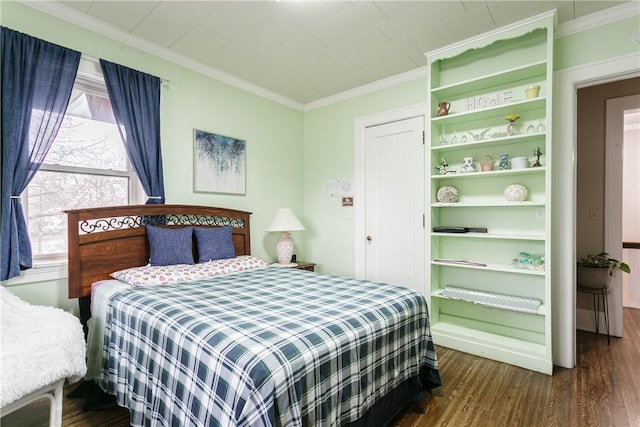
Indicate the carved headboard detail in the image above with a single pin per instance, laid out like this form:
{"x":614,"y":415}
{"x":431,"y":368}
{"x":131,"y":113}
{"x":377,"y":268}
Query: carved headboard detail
{"x":104,"y":240}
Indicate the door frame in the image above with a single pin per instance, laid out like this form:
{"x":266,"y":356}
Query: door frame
{"x":563,"y":276}
{"x":614,"y":141}
{"x":361,"y":123}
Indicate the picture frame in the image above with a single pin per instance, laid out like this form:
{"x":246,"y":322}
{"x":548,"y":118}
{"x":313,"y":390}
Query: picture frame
{"x":219,"y":163}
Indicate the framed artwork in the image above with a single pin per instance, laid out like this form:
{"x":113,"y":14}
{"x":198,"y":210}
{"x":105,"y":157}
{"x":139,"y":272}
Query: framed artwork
{"x":219,"y":164}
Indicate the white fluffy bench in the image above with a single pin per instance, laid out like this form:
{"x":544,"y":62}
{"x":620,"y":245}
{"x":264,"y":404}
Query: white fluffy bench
{"x":41,"y":347}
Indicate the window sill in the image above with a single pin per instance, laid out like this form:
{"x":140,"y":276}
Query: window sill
{"x":43,"y":272}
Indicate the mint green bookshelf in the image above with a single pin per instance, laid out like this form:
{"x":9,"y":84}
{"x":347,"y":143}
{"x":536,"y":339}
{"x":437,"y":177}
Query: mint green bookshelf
{"x":484,"y":79}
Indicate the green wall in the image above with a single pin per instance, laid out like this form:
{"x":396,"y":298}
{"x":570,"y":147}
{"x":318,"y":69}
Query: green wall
{"x":289,"y":153}
{"x":329,"y":139}
{"x":329,"y":134}
{"x":274,"y":135}
{"x":598,"y":44}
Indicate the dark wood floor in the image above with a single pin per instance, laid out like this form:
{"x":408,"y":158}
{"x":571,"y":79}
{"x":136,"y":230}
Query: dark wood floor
{"x":603,"y":390}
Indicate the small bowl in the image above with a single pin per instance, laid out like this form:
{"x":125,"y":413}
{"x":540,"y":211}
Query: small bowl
{"x":532,"y":92}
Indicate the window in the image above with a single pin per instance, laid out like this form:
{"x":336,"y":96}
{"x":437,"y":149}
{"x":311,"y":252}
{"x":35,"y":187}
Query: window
{"x":87,"y":166}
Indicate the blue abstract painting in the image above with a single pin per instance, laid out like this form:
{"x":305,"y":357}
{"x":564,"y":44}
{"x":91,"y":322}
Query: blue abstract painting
{"x":219,"y":163}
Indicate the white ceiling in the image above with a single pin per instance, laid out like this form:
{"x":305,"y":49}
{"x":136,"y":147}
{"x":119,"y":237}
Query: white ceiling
{"x":308,"y":50}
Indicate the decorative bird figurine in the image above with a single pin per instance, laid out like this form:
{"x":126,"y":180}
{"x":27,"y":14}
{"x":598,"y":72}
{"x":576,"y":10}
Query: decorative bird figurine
{"x":478,"y":136}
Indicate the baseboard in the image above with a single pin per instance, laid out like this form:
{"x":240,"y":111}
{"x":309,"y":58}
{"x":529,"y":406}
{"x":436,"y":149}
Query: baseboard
{"x":585,"y":321}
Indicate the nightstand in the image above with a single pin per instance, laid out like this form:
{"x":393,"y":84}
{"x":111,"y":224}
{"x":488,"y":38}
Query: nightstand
{"x":303,"y":265}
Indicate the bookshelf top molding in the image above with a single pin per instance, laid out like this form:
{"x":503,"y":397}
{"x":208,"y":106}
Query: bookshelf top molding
{"x":548,"y":19}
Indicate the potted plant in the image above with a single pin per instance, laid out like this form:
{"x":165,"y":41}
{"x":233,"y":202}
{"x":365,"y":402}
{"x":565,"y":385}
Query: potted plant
{"x":595,"y":271}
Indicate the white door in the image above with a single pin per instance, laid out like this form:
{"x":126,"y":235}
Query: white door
{"x":394,"y":203}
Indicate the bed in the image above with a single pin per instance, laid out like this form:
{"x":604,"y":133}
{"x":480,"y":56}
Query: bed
{"x":242,"y":343}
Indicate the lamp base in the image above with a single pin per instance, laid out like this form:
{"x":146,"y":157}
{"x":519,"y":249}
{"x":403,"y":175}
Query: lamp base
{"x":284,"y":249}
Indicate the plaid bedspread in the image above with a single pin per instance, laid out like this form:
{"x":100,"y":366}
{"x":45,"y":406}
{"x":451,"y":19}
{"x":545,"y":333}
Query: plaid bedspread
{"x":265,"y":347}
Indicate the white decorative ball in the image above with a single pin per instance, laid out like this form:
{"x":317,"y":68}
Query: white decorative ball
{"x":447,"y":194}
{"x":516,"y":193}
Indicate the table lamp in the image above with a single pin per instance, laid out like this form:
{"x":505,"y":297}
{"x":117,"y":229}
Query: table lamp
{"x":284,"y":221}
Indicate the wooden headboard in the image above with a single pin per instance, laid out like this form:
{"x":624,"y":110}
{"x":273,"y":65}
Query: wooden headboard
{"x":104,"y":240}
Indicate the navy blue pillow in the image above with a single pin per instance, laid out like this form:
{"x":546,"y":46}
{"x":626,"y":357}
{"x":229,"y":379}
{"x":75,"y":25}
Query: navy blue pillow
{"x":214,"y":243}
{"x":168,"y":246}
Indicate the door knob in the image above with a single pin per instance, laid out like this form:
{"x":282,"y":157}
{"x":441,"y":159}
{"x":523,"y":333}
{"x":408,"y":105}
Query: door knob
{"x":369,"y":238}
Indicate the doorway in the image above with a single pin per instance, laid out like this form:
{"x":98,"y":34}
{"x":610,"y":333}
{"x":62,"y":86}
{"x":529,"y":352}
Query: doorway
{"x":599,"y":195}
{"x":631,"y":208}
{"x":389,"y":183}
{"x":622,"y":191}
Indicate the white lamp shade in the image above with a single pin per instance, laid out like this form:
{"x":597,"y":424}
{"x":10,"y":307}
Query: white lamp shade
{"x":285,"y":220}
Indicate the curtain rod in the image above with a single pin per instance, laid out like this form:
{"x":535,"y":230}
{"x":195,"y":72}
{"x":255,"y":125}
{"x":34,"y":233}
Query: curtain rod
{"x":163,"y":81}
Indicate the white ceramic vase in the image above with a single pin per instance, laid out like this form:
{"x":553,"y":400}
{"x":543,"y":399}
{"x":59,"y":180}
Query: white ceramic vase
{"x":468,"y":165}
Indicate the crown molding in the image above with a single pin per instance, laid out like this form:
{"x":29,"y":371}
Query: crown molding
{"x":597,"y":19}
{"x":585,"y":23}
{"x":378,"y":85}
{"x":111,"y":31}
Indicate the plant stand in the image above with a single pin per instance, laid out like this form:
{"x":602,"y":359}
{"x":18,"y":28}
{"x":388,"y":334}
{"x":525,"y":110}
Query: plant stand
{"x":598,"y":294}
{"x":595,"y":281}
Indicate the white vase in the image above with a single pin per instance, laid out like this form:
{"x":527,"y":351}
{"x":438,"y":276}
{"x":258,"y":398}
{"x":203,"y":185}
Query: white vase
{"x":519,"y":163}
{"x":468,"y":165}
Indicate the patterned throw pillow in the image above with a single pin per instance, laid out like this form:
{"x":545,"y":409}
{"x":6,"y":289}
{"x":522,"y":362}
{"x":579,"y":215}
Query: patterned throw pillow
{"x":163,"y":275}
{"x":214,"y":243}
{"x":168,"y":246}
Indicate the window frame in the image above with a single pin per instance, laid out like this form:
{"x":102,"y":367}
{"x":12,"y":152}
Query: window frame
{"x":49,"y":266}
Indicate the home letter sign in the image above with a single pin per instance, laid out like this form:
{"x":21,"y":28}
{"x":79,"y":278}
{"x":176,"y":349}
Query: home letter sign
{"x":489,"y":100}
